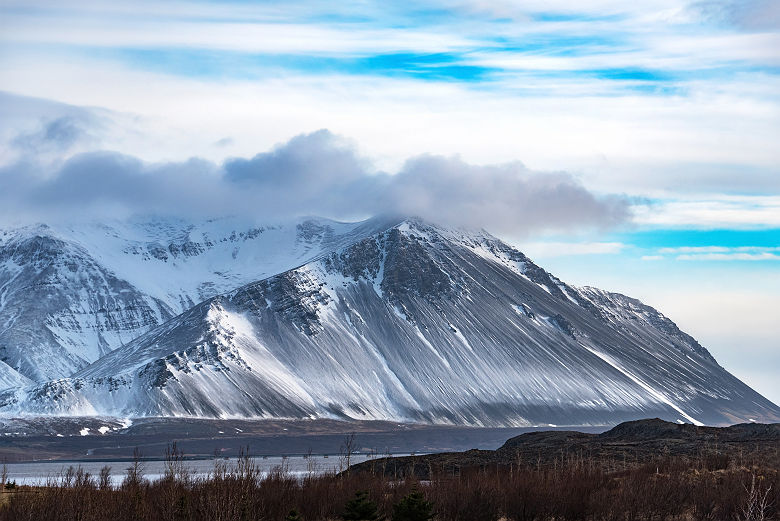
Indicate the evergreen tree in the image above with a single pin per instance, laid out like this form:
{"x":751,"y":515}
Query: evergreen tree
{"x":293,"y":516}
{"x":413,"y":507}
{"x":361,"y":508}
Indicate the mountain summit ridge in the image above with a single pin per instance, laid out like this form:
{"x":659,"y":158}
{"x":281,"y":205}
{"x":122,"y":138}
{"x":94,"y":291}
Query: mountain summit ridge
{"x":404,"y":320}
{"x":407,"y":321}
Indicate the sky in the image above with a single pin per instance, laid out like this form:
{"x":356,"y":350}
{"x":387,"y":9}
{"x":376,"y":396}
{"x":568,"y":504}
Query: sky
{"x":633,"y":146}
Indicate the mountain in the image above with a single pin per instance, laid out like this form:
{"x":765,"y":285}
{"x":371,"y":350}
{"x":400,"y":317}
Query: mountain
{"x":71,"y":294}
{"x":403,"y":320}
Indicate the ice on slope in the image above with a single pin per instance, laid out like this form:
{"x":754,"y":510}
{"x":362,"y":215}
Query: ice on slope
{"x":10,"y":378}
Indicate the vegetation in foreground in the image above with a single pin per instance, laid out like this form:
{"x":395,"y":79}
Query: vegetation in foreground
{"x":709,"y":486}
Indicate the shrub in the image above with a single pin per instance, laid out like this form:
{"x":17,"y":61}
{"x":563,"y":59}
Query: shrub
{"x":413,"y":507}
{"x":293,"y":516}
{"x":360,"y":508}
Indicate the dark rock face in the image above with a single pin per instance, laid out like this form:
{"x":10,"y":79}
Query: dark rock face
{"x":655,"y":429}
{"x":564,"y":325}
{"x":294,"y":296}
{"x":362,"y":260}
{"x":410,"y":269}
{"x":311,"y":231}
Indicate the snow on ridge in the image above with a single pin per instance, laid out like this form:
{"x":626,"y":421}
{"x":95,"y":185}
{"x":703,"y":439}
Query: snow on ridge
{"x":471,"y":353}
{"x":113,"y":281}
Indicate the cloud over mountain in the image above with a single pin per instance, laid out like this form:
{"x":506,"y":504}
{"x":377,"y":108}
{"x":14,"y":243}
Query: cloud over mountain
{"x":317,"y":173}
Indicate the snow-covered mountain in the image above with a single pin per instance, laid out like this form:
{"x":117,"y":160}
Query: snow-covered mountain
{"x":71,"y":294}
{"x":387,"y":319}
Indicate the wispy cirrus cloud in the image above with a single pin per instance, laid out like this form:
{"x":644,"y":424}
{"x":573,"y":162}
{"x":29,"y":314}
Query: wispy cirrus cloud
{"x":734,"y":256}
{"x":745,"y":14}
{"x":594,"y":87}
{"x":713,"y":212}
{"x":723,"y":253}
{"x":716,"y":253}
{"x":719,"y":249}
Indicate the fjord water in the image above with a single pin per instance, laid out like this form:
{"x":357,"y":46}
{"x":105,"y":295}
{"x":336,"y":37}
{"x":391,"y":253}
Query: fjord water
{"x":44,"y":472}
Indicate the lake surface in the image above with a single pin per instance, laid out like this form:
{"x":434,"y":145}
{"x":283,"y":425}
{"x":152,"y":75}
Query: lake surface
{"x":39,"y":473}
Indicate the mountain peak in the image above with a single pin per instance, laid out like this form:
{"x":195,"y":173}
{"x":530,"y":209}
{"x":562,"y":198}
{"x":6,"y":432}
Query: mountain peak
{"x":392,"y":318}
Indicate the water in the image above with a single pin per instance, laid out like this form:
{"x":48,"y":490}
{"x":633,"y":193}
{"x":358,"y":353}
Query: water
{"x":39,"y":473}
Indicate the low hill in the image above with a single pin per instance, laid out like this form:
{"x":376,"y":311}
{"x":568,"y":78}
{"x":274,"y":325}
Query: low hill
{"x":625,"y":445}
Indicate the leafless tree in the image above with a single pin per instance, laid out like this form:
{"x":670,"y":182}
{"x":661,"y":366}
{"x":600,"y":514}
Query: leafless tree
{"x":175,"y":469}
{"x":104,"y":479}
{"x":757,"y":504}
{"x":345,"y":453}
{"x":135,"y":472}
{"x":311,"y":464}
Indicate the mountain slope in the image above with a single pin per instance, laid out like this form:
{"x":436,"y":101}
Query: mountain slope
{"x":413,"y":323}
{"x":71,"y":294}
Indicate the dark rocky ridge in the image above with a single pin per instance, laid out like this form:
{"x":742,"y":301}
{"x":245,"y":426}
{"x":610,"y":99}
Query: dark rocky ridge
{"x":628,"y":443}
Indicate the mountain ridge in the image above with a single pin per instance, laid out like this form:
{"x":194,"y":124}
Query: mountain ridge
{"x":414,"y":323}
{"x":76,"y":292}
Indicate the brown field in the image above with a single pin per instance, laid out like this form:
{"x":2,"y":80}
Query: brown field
{"x":717,"y":486}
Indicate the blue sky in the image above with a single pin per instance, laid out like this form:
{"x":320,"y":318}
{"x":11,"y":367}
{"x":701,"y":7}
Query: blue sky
{"x":658,"y":121}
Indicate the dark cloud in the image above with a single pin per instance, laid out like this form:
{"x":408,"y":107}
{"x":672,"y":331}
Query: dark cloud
{"x":316,"y":174}
{"x":36,"y":126}
{"x":507,"y":198}
{"x":100,"y":183}
{"x":59,"y":134}
{"x":307,"y":165}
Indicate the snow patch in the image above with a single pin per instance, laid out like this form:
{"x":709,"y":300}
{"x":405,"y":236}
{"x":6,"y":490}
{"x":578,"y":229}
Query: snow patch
{"x":653,"y":392}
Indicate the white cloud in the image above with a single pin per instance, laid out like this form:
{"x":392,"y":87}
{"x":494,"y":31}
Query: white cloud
{"x":256,"y":37}
{"x":719,"y":249}
{"x":746,"y":14}
{"x":721,"y":211}
{"x":729,"y":257}
{"x":717,"y":253}
{"x":317,"y":173}
{"x":722,"y":109}
{"x":610,"y":139}
{"x":562,"y":249}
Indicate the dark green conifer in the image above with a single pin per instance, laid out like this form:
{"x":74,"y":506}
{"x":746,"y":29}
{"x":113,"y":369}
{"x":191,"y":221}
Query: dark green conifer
{"x":413,"y":507}
{"x":361,"y":508}
{"x":293,"y":516}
